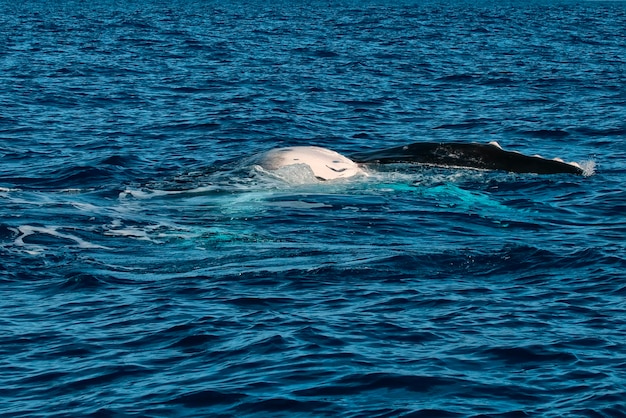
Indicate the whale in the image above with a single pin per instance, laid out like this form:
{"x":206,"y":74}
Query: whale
{"x":327,"y":164}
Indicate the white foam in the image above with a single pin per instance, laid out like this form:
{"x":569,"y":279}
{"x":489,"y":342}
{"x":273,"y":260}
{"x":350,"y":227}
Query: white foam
{"x":292,"y":174}
{"x":7,"y":190}
{"x":87,"y":207}
{"x":155,"y":193}
{"x":147,"y":232}
{"x":130,"y":232}
{"x":141,"y":194}
{"x":27,"y":230}
{"x":298,"y":204}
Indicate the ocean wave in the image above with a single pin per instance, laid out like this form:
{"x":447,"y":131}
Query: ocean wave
{"x":150,"y":268}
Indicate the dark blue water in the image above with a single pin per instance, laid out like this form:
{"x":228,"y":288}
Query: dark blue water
{"x":149,"y":269}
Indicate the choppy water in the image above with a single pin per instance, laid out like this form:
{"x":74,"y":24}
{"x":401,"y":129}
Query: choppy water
{"x":148,"y":269}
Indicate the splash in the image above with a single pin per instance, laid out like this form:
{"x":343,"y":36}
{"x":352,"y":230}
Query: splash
{"x":588,"y":167}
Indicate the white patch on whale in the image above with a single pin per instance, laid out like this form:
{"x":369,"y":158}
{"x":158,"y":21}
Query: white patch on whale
{"x":324,"y":163}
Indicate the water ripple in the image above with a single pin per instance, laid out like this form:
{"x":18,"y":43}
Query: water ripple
{"x":148,"y":268}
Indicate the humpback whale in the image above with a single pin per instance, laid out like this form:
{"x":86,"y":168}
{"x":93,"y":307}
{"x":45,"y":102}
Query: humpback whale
{"x":329,"y":165}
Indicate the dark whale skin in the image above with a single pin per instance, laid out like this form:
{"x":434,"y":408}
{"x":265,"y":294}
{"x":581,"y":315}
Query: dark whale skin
{"x":469,"y":155}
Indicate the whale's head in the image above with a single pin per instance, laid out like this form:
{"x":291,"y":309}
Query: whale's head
{"x":324,"y":163}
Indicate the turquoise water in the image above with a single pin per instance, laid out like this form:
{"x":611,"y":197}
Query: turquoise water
{"x":149,"y":268}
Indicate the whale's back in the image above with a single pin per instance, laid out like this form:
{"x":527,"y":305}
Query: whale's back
{"x":324,"y":163}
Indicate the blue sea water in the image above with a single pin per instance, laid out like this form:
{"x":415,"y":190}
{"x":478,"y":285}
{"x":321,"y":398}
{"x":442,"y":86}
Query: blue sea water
{"x":148,"y":268}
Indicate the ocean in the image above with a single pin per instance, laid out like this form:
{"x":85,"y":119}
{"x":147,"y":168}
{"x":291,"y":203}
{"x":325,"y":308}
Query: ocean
{"x":150,"y":268}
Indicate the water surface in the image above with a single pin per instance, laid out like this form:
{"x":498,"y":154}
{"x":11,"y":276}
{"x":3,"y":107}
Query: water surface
{"x":149,"y":269}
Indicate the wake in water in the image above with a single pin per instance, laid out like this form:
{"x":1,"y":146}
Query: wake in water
{"x":227,"y":195}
